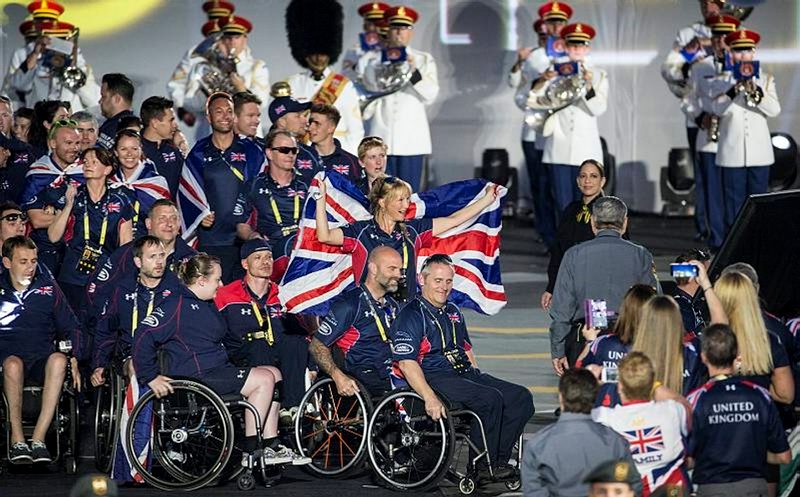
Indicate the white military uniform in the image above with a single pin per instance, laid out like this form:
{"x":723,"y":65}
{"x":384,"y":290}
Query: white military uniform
{"x":702,"y":85}
{"x":744,"y":139}
{"x":530,"y":70}
{"x":38,"y":84}
{"x":253,"y":71}
{"x":176,"y":86}
{"x":671,"y":69}
{"x":400,"y":118}
{"x":575,"y":136}
{"x":350,"y":61}
{"x":350,"y":130}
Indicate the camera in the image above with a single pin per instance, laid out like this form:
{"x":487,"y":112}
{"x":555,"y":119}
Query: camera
{"x":683,"y":270}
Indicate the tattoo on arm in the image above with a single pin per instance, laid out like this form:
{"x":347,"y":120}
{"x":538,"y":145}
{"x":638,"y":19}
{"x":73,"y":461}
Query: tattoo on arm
{"x":322,"y":355}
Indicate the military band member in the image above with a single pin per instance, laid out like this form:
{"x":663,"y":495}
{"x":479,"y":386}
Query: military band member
{"x":38,"y":74}
{"x":703,"y":85}
{"x":176,"y":87}
{"x":745,"y":146}
{"x":368,"y":40}
{"x":251,"y":74}
{"x":400,"y":117}
{"x":29,"y":31}
{"x":574,"y":135}
{"x":315,"y":37}
{"x":530,"y":66}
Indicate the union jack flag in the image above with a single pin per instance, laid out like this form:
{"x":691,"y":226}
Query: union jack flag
{"x":21,"y":158}
{"x":122,"y":470}
{"x":44,"y":290}
{"x":45,"y":174}
{"x":454,"y":317}
{"x":113,"y":207}
{"x":645,"y":440}
{"x":341,"y":168}
{"x":304,"y":164}
{"x":317,"y":272}
{"x":146,"y":183}
{"x":168,"y":156}
{"x":291,"y":192}
{"x":275,"y":312}
{"x":238,"y":156}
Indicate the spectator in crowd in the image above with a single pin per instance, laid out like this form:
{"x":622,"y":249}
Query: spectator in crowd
{"x":655,"y":429}
{"x":87,"y":127}
{"x":559,"y":458}
{"x":602,"y":268}
{"x":613,"y":478}
{"x":686,"y":292}
{"x":736,"y":429}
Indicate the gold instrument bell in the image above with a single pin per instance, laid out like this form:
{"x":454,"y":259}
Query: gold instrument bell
{"x":280,"y":89}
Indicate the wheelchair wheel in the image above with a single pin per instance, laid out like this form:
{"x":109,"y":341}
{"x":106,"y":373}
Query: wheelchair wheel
{"x":331,"y":429}
{"x":190,"y":436}
{"x":409,"y":450}
{"x":108,"y":403}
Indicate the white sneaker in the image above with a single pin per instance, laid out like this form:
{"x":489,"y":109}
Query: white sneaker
{"x":296,"y":459}
{"x":271,"y":457}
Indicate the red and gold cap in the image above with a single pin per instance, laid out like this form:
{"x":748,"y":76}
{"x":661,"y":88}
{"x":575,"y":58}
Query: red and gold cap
{"x":373,"y":11}
{"x":235,"y":25}
{"x":58,"y":29}
{"x":217,"y":9}
{"x":28,"y":28}
{"x":401,"y":16}
{"x":743,"y":39}
{"x":45,"y":9}
{"x":578,"y":33}
{"x":555,"y":11}
{"x":722,"y":24}
{"x":382,"y":26}
{"x":210,"y":27}
{"x":538,"y":26}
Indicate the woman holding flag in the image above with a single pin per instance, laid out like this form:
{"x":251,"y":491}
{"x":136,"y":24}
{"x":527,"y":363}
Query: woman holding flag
{"x":140,"y":176}
{"x":94,"y":221}
{"x":390,"y":202}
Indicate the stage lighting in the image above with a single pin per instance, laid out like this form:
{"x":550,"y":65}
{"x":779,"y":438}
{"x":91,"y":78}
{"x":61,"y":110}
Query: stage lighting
{"x":495,"y":168}
{"x":610,"y":166}
{"x":677,"y":183}
{"x":783,"y":173}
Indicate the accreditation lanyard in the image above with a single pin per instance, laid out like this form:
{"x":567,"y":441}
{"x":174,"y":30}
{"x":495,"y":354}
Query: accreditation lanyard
{"x":277,"y":213}
{"x":135,"y":313}
{"x":378,"y":321}
{"x":135,"y":214}
{"x":441,"y":331}
{"x":257,"y":310}
{"x":235,"y":171}
{"x":103,"y":229}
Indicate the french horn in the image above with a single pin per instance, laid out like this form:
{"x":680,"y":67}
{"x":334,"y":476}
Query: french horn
{"x":561,"y":92}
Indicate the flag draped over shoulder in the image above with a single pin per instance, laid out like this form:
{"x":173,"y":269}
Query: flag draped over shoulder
{"x":318,"y":272}
{"x":146,"y":182}
{"x":45,"y":174}
{"x":122,"y":470}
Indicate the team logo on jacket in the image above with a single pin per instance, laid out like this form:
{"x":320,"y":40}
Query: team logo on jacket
{"x":44,"y":290}
{"x":454,"y":317}
{"x":130,"y":296}
{"x":113,"y":207}
{"x":343,"y":169}
{"x":246,"y":311}
{"x":151,"y":321}
{"x":166,"y":293}
{"x":325,"y":328}
{"x":168,"y":156}
{"x":238,"y":157}
{"x":291,"y":192}
{"x":403,"y":348}
{"x":195,"y":307}
{"x":21,"y":158}
{"x":103,"y":275}
{"x":304,"y":164}
{"x":275,"y":312}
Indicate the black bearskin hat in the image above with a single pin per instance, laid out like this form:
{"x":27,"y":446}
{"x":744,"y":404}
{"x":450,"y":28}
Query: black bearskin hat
{"x":314,"y":27}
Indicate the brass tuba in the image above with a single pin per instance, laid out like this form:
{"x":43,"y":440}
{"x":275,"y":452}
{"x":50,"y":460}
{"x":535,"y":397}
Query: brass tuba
{"x":216,"y":68}
{"x":561,"y":92}
{"x":382,"y":79}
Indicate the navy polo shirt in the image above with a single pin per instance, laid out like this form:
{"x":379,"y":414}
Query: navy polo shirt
{"x":48,"y":197}
{"x":224,"y":177}
{"x":30,"y":321}
{"x":342,"y":162}
{"x":108,"y":130}
{"x":307,"y":163}
{"x":606,"y":351}
{"x":168,"y":160}
{"x":779,"y":359}
{"x":352,"y":325}
{"x":116,"y":206}
{"x":423,"y":332}
{"x":363,"y":236}
{"x":288,"y":199}
{"x":115,"y":330}
{"x":12,"y":177}
{"x":734,"y":424}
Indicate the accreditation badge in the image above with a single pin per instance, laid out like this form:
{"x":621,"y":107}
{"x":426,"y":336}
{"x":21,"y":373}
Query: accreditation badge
{"x":89,"y":260}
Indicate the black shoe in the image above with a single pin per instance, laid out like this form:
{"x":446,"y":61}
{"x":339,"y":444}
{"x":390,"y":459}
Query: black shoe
{"x":20,"y":453}
{"x":699,"y":237}
{"x":504,"y":472}
{"x":39,"y":452}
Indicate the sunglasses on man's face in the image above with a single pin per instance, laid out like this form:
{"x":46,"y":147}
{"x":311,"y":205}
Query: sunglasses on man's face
{"x":286,"y":150}
{"x":13,"y":218}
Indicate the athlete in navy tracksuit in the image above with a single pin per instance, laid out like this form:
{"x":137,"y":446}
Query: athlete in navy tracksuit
{"x":131,"y":300}
{"x":433,"y":350}
{"x":259,"y":333}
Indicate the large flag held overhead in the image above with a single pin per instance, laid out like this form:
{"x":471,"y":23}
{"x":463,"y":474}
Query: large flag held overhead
{"x":318,"y":272}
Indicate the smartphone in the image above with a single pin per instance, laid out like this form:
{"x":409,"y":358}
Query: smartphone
{"x":596,"y":313}
{"x":683,"y":270}
{"x":609,"y":375}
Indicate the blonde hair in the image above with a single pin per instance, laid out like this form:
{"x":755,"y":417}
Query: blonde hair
{"x":660,"y":337}
{"x":740,"y":302}
{"x":386,"y":187}
{"x":636,"y":376}
{"x":370,"y":142}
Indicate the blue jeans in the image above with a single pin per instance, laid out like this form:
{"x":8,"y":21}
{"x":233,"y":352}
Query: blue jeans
{"x":539,"y":176}
{"x":406,"y":167}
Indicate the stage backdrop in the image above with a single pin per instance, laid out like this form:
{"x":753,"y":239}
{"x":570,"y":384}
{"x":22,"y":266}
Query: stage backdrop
{"x":474,"y":44}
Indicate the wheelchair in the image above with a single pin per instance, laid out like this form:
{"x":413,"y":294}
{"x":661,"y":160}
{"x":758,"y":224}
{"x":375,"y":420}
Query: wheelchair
{"x":62,"y":434}
{"x":109,"y":401}
{"x":407,"y":450}
{"x":190,"y":439}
